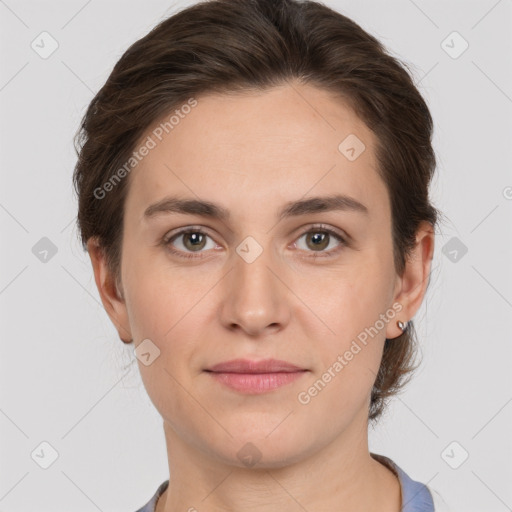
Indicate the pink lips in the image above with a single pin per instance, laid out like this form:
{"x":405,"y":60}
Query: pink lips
{"x":255,"y":377}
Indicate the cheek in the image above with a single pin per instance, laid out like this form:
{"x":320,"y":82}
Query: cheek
{"x":159,"y":297}
{"x":161,"y":309}
{"x":350,"y":304}
{"x":353,"y":298}
{"x":169,"y":307}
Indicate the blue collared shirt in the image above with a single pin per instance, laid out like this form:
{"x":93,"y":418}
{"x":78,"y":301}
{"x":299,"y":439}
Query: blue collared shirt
{"x":416,"y":497}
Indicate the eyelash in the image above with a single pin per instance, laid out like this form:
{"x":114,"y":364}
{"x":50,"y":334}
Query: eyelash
{"x":314,"y":229}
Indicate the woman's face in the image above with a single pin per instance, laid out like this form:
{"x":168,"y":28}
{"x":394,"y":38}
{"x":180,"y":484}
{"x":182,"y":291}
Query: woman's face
{"x":255,"y":284}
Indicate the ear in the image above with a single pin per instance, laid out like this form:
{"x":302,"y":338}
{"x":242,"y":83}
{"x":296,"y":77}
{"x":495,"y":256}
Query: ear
{"x":411,"y":286}
{"x":112,"y":299}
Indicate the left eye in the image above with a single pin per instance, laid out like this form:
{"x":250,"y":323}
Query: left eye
{"x":317,"y":240}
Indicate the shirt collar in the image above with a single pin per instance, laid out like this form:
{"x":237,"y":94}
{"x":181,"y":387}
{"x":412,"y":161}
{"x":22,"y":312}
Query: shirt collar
{"x":416,"y":496}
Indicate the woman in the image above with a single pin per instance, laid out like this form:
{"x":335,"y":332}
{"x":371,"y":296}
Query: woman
{"x":253,"y":193}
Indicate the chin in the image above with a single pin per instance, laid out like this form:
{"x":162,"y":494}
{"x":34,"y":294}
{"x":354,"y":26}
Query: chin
{"x":259,"y":450}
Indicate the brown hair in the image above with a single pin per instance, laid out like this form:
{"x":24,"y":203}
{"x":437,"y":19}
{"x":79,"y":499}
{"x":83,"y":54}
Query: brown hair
{"x":242,"y":45}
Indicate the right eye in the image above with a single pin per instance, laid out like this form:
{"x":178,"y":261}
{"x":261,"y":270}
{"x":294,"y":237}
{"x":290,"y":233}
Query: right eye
{"x":193,"y":241}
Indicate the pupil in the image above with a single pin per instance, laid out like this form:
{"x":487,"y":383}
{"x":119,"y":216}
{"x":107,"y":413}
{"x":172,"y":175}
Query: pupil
{"x":194,"y":237}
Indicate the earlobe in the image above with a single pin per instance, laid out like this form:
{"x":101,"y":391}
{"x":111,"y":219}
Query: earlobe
{"x":414,"y":281}
{"x":110,"y":294}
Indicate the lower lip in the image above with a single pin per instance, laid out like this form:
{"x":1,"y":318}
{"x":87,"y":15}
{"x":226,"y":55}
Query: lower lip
{"x":256,"y":382}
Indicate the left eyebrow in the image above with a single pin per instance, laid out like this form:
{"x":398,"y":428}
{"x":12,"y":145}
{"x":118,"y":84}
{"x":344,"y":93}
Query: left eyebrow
{"x":322,"y":204}
{"x":307,"y":206}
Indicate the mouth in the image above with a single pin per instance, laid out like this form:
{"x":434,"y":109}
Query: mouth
{"x":255,"y":377}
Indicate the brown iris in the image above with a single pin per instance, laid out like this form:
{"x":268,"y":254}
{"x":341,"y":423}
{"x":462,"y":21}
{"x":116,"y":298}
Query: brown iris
{"x":197,"y":240}
{"x":320,"y":240}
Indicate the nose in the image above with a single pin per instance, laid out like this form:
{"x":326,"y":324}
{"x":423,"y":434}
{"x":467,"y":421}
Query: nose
{"x":256,"y":300}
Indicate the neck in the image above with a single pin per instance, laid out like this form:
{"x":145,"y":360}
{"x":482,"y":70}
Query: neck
{"x":341,"y":476}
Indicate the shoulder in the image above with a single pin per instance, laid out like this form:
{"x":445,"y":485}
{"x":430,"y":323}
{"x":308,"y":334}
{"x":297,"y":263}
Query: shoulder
{"x":151,"y":504}
{"x":416,"y":496}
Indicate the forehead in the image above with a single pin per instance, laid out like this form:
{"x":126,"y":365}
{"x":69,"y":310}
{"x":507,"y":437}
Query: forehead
{"x":291,"y":140}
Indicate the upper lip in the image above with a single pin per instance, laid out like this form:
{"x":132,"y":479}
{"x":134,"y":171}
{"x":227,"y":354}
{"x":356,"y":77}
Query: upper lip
{"x":248,"y":366}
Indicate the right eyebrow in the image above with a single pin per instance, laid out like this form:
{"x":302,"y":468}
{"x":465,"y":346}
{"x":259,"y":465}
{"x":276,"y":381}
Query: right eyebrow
{"x":173,"y":204}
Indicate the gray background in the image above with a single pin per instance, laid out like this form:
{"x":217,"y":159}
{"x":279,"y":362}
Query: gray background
{"x":66,"y":379}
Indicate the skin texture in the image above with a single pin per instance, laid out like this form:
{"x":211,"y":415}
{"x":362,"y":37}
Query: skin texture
{"x":252,"y":153}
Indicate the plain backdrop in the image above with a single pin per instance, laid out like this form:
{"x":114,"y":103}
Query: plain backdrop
{"x":67,"y":381}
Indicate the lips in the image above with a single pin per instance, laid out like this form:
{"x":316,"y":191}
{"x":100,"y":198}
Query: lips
{"x":255,"y":377}
{"x":247,"y":366}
